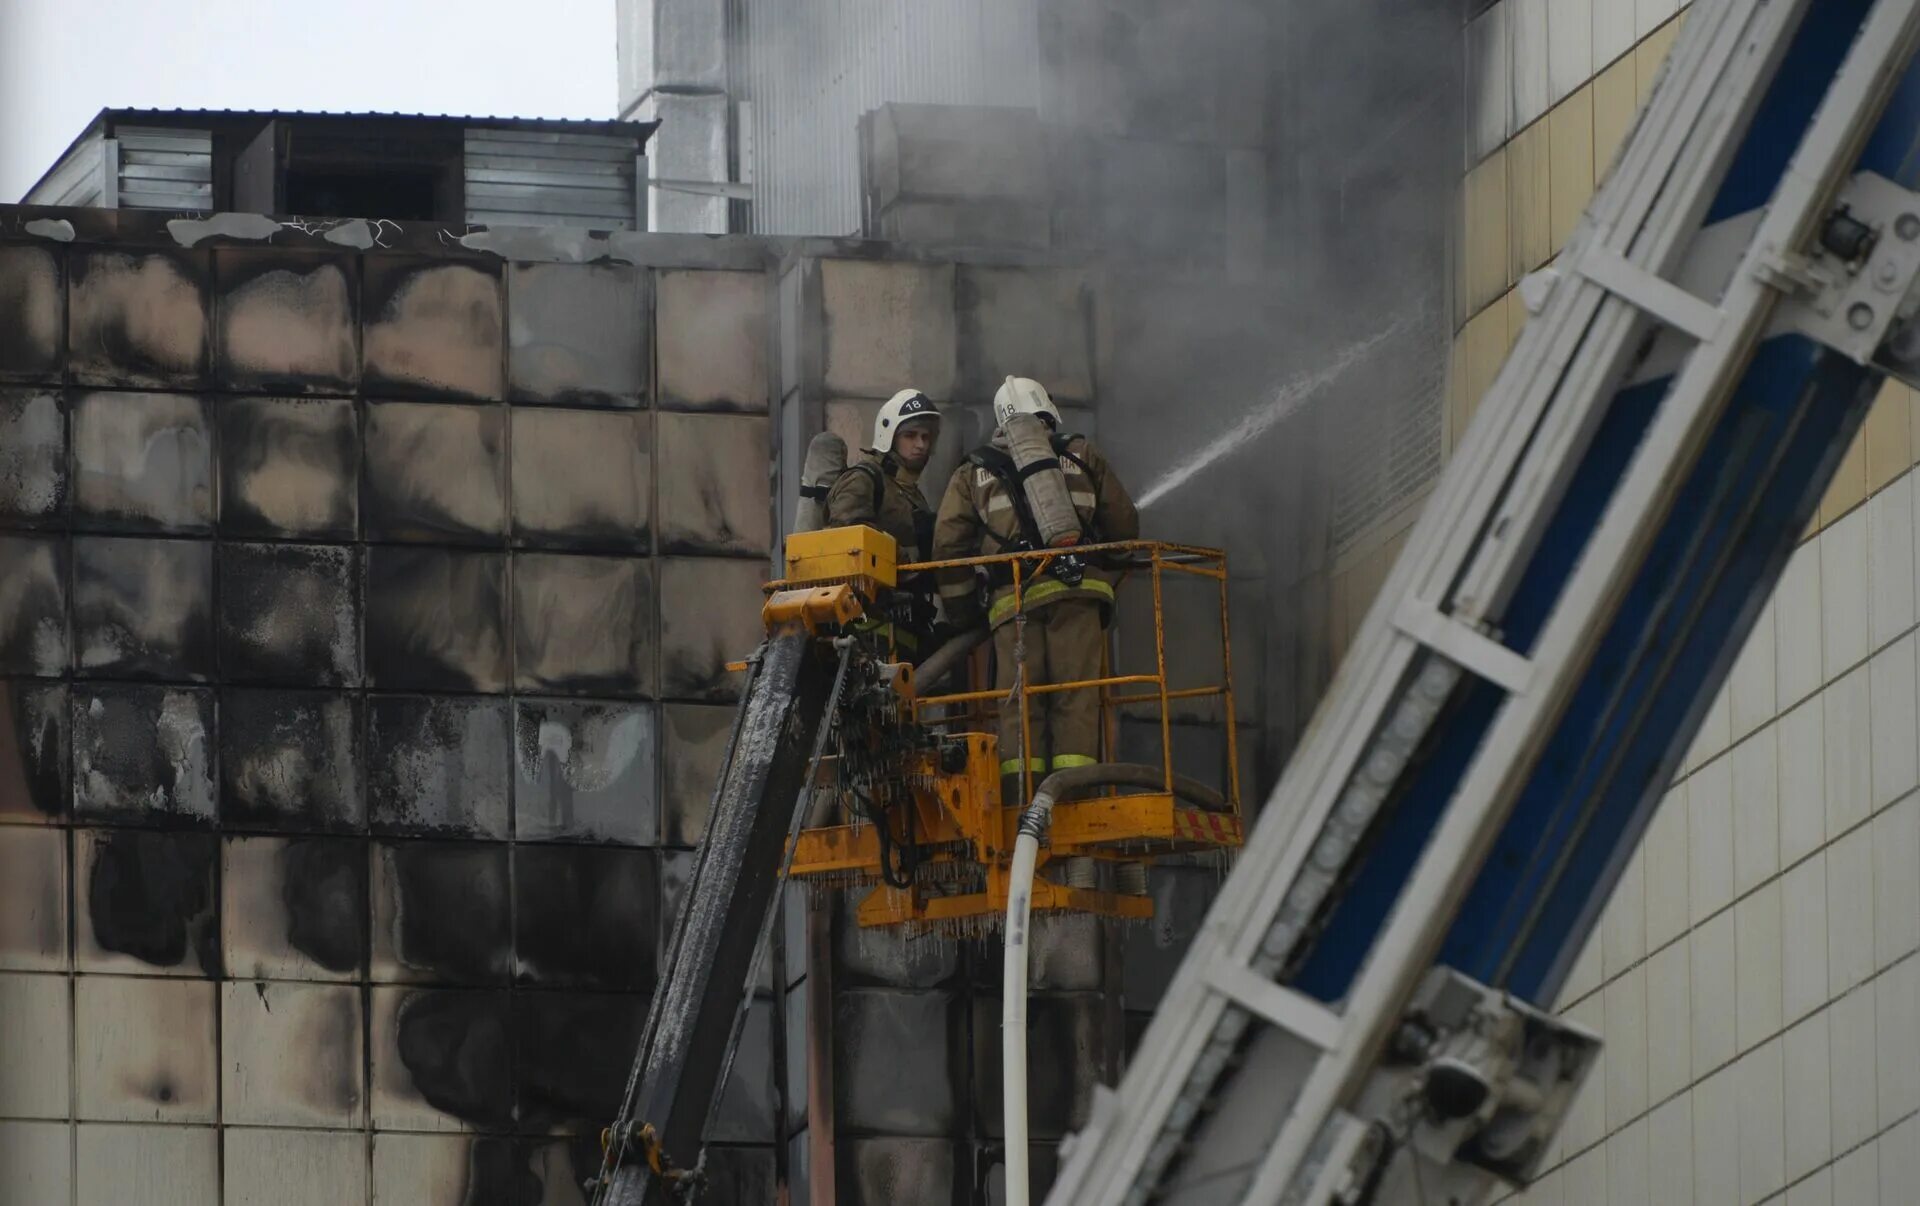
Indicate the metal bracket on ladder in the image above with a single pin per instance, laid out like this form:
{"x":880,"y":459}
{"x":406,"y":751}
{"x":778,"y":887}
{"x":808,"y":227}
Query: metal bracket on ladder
{"x":1290,"y":1011}
{"x":1659,"y":298}
{"x":1460,"y":644}
{"x":1862,"y":273}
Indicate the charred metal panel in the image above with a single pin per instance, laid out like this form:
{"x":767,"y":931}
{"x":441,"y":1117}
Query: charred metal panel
{"x":1066,"y":1047}
{"x":143,"y":608}
{"x":585,"y":772}
{"x":441,"y":913}
{"x":869,"y":958}
{"x":585,"y":918}
{"x":583,"y":624}
{"x":433,"y":329}
{"x":888,"y":325}
{"x":34,"y":745}
{"x":567,"y":1085}
{"x":1026,"y":322}
{"x":713,"y":337}
{"x":143,"y":462}
{"x":442,"y":1060}
{"x":709,"y":615}
{"x":143,"y":754}
{"x":294,"y":908}
{"x":33,"y":318}
{"x":138,"y":320}
{"x":291,"y":761}
{"x":144,"y":902}
{"x":33,"y":929}
{"x":33,"y":455}
{"x":694,"y":746}
{"x":576,"y":333}
{"x":582,"y":479}
{"x":437,"y":766}
{"x":288,"y":323}
{"x":435,"y":619}
{"x":289,"y":467}
{"x":898,"y":1061}
{"x":323,"y":1022}
{"x":436,"y":472}
{"x":881,"y":1171}
{"x":33,"y":598}
{"x":290,"y":614}
{"x":713,"y":482}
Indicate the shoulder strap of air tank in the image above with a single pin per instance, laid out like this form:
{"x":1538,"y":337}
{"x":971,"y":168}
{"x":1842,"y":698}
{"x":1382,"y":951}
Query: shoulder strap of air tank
{"x":1001,"y":466}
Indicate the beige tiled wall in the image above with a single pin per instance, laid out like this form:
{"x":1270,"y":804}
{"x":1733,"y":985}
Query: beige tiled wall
{"x":1756,"y":976}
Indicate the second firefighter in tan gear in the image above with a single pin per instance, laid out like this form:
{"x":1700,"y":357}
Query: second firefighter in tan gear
{"x":981,"y":515}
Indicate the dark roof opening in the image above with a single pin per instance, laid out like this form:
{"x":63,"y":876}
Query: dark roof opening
{"x":345,"y":193}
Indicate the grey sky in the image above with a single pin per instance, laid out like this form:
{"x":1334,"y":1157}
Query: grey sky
{"x":62,"y":61}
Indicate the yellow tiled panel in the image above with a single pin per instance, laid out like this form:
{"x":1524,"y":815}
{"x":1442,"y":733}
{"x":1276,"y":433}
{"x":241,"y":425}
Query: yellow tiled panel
{"x":1849,"y":486}
{"x":1338,"y":614}
{"x":1615,"y":100}
{"x":1529,"y":218}
{"x":1486,"y":257}
{"x":1456,"y":395}
{"x":1487,"y":350}
{"x":1652,"y":52}
{"x":1569,"y":162}
{"x":1516,"y":316}
{"x":1888,"y":435}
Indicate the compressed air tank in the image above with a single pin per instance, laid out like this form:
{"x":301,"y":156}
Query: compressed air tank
{"x":826,"y":460}
{"x":1029,"y":441}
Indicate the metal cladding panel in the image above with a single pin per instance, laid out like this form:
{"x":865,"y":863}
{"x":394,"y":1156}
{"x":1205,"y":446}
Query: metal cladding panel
{"x":165,"y":169}
{"x":815,"y":69}
{"x":75,"y":180}
{"x":530,"y":178}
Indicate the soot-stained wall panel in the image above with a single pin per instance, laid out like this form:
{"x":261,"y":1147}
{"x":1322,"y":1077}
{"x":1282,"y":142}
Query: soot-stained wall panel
{"x":33,"y":598}
{"x":33,"y":304}
{"x":436,"y":472}
{"x":897,"y":1061}
{"x":714,"y":491}
{"x":432,"y":329}
{"x":713,"y":330}
{"x":438,"y":766}
{"x":442,"y":1059}
{"x":143,"y":608}
{"x":585,"y":918}
{"x":585,"y":772}
{"x":444,"y":1170}
{"x":1067,"y":1044}
{"x":290,"y":614}
{"x":291,"y":761}
{"x":436,"y":619}
{"x":149,"y":1053}
{"x":280,"y":1167}
{"x":878,"y":1172}
{"x":143,"y":462}
{"x":33,"y":925}
{"x":583,"y":624}
{"x":288,"y":322}
{"x":566,"y":1083}
{"x":289,"y":467}
{"x":144,"y":754}
{"x":694,"y":741}
{"x":36,"y":1079}
{"x":294,"y":908}
{"x":874,"y":958}
{"x":259,"y":1022}
{"x":35,"y":740}
{"x":138,"y":319}
{"x":888,"y":326}
{"x":441,"y":913}
{"x":1025,"y":322}
{"x":577,"y":333}
{"x":146,"y":903}
{"x":709,"y":616}
{"x":33,"y":456}
{"x":582,"y":479}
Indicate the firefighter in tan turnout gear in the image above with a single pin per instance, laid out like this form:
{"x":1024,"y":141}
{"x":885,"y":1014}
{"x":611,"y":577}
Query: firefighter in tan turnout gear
{"x":882,"y":490}
{"x":992,"y":507}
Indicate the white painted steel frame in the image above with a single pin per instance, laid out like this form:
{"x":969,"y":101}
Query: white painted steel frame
{"x":1507,"y":479}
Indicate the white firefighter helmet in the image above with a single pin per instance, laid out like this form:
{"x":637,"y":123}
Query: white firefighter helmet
{"x":907,"y":406}
{"x":1024,"y":396}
